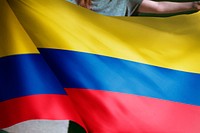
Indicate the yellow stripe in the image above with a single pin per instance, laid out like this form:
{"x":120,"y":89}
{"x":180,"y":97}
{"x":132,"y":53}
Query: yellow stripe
{"x":13,"y":38}
{"x":167,"y":42}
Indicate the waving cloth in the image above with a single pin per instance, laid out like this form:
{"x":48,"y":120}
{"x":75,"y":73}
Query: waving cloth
{"x":121,"y":74}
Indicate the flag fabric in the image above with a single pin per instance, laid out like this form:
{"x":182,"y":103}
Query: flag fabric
{"x":29,"y":89}
{"x":122,"y":74}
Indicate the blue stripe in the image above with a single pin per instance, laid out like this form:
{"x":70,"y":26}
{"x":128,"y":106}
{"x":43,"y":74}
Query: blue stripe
{"x":90,"y":71}
{"x":23,"y":75}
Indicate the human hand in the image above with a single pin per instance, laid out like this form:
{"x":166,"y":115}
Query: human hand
{"x":196,"y":5}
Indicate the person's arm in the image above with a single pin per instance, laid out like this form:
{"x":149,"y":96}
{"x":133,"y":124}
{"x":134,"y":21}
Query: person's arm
{"x":148,"y":6}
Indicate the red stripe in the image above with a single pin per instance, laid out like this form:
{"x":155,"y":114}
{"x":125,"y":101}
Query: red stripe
{"x":51,"y":107}
{"x":110,"y":112}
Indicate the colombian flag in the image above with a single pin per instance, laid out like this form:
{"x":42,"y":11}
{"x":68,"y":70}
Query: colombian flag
{"x":120,"y":74}
{"x":29,"y":90}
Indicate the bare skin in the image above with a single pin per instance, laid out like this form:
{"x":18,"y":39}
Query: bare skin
{"x":149,"y":6}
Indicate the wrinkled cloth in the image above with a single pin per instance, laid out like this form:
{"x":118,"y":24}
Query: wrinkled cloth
{"x":114,"y":7}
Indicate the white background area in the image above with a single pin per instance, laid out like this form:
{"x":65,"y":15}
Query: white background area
{"x":39,"y":126}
